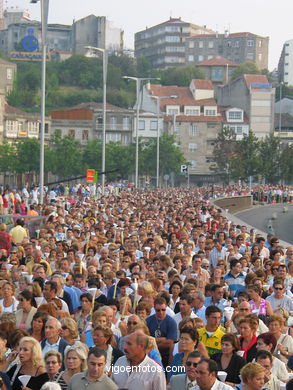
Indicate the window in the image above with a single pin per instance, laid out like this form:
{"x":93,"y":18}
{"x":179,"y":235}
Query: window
{"x":239,"y":130}
{"x":200,"y":58}
{"x":113,"y":123}
{"x":211,"y":44}
{"x":235,"y":115}
{"x":141,"y":125}
{"x":210,"y":112}
{"x":259,"y":56}
{"x":154,"y":125}
{"x":260,"y":43}
{"x":229,"y":44}
{"x":236,"y":43}
{"x":9,"y":74}
{"x":173,"y":111}
{"x":193,"y":163}
{"x":200,"y":44}
{"x":192,"y":111}
{"x":212,"y":125}
{"x":99,"y":122}
{"x":192,"y":130}
{"x":250,"y":42}
{"x":172,"y":38}
{"x":71,"y":133}
{"x":191,"y":44}
{"x":217,"y":74}
{"x":85,"y":135}
{"x":249,"y":56}
{"x":126,"y":123}
{"x":33,"y":127}
{"x":192,"y":146}
{"x":191,"y":58}
{"x":210,"y":57}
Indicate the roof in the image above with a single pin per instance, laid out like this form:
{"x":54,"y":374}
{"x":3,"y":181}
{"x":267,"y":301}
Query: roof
{"x":194,"y":118}
{"x":218,"y":61}
{"x":202,"y":84}
{"x":255,"y":78}
{"x":12,"y":110}
{"x":183,"y":95}
{"x":233,"y":35}
{"x":93,"y":106}
{"x":4,"y":62}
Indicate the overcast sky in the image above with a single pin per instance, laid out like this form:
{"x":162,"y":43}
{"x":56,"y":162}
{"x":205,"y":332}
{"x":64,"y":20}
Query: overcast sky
{"x":262,"y":17}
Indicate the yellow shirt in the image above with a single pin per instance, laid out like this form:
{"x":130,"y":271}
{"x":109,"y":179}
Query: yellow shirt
{"x":18,"y":233}
{"x":212,"y":343}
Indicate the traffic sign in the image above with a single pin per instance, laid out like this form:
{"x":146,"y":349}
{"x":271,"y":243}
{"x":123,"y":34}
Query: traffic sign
{"x":184,"y":168}
{"x":91,"y":176}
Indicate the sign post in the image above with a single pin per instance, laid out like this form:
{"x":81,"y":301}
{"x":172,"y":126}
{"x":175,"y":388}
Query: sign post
{"x":184,"y":169}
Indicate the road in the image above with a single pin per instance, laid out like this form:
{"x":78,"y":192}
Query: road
{"x":261,"y":218}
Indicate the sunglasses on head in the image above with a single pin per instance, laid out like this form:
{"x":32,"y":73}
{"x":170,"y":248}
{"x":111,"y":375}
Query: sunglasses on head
{"x":189,"y":364}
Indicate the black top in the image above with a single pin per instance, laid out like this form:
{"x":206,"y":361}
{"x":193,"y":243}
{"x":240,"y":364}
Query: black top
{"x":35,"y":382}
{"x":233,"y":369}
{"x":251,"y":352}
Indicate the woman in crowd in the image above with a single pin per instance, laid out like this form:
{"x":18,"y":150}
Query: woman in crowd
{"x":31,"y":363}
{"x":69,"y":330}
{"x":247,"y":328}
{"x":75,"y":360}
{"x":37,"y":330}
{"x":102,"y":338}
{"x":217,"y":276}
{"x":8,"y":303}
{"x":188,"y":342}
{"x":175,"y":291}
{"x":259,"y":306}
{"x":256,"y":264}
{"x":253,"y":377}
{"x":284,"y":348}
{"x":53,"y":364}
{"x":83,"y":317}
{"x":26,"y":311}
{"x":267,"y":342}
{"x":228,"y":360}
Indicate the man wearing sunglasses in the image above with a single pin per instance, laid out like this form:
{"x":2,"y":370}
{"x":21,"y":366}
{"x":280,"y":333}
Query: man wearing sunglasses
{"x":278,"y":299}
{"x":186,"y":381}
{"x":163,"y":328}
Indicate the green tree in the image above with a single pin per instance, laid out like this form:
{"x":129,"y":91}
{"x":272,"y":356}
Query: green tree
{"x":224,"y":152}
{"x":286,"y":163}
{"x":7,"y":157}
{"x":180,"y":76}
{"x":245,"y":68}
{"x":270,"y":158}
{"x":27,"y":155}
{"x":171,"y":157}
{"x":92,"y":155}
{"x":247,"y":160}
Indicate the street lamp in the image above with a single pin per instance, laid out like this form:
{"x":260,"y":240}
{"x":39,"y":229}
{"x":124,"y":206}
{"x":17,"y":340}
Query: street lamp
{"x":44,"y":22}
{"x":158,"y":132}
{"x":138,"y":81}
{"x":91,"y":50}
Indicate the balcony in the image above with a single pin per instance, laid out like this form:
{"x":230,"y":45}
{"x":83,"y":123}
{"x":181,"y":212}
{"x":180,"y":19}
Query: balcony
{"x":118,"y":127}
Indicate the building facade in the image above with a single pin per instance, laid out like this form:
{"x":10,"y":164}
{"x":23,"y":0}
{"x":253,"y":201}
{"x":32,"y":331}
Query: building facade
{"x":256,"y":97}
{"x":84,"y":122}
{"x":192,"y":115}
{"x":237,"y":47}
{"x":96,"y":31}
{"x":164,"y":44}
{"x":285,"y":66}
{"x":218,"y":69}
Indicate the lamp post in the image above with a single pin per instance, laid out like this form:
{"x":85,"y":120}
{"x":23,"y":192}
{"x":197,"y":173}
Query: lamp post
{"x":138,"y":81}
{"x":92,"y":49}
{"x":158,"y":132}
{"x":44,"y":22}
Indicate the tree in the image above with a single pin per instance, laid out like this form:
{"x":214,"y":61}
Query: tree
{"x":245,"y":68}
{"x":286,"y":163}
{"x":270,"y":158}
{"x":27,"y":155}
{"x":7,"y":157}
{"x":180,"y":76}
{"x":224,"y":152}
{"x":247,"y":160}
{"x":171,"y":157}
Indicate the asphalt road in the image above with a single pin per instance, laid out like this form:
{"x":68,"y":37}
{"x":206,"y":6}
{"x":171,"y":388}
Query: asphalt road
{"x":263,"y":218}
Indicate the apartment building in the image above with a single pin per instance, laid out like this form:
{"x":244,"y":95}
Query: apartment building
{"x":84,"y":122}
{"x":256,"y":97}
{"x":96,"y":31}
{"x":285,"y":66}
{"x":164,"y":44}
{"x":237,"y":47}
{"x":192,"y":115}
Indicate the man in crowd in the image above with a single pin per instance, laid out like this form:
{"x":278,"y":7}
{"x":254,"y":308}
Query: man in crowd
{"x":211,"y":335}
{"x":206,"y":376}
{"x":186,"y":381}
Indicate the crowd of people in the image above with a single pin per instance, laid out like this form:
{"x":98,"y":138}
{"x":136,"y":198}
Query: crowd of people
{"x":150,"y":289}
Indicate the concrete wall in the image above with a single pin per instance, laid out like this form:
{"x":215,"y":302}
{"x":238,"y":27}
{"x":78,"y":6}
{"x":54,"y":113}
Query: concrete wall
{"x":234,"y":204}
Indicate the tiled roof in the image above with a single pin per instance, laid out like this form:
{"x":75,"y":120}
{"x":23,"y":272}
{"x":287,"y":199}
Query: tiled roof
{"x":255,"y":78}
{"x":233,"y":35}
{"x":194,"y":118}
{"x":202,"y":84}
{"x":12,"y":110}
{"x":94,"y":106}
{"x":217,"y":61}
{"x":184,"y":95}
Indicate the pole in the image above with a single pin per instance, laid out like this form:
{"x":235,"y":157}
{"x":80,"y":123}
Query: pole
{"x":158,"y":141}
{"x":280,"y":111}
{"x":104,"y":119}
{"x":174,"y":124}
{"x":136,"y":131}
{"x":44,"y":18}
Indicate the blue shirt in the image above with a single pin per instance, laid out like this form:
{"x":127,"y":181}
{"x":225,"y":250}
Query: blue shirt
{"x":235,"y":283}
{"x":220,"y":304}
{"x":201,"y":313}
{"x":73,"y":295}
